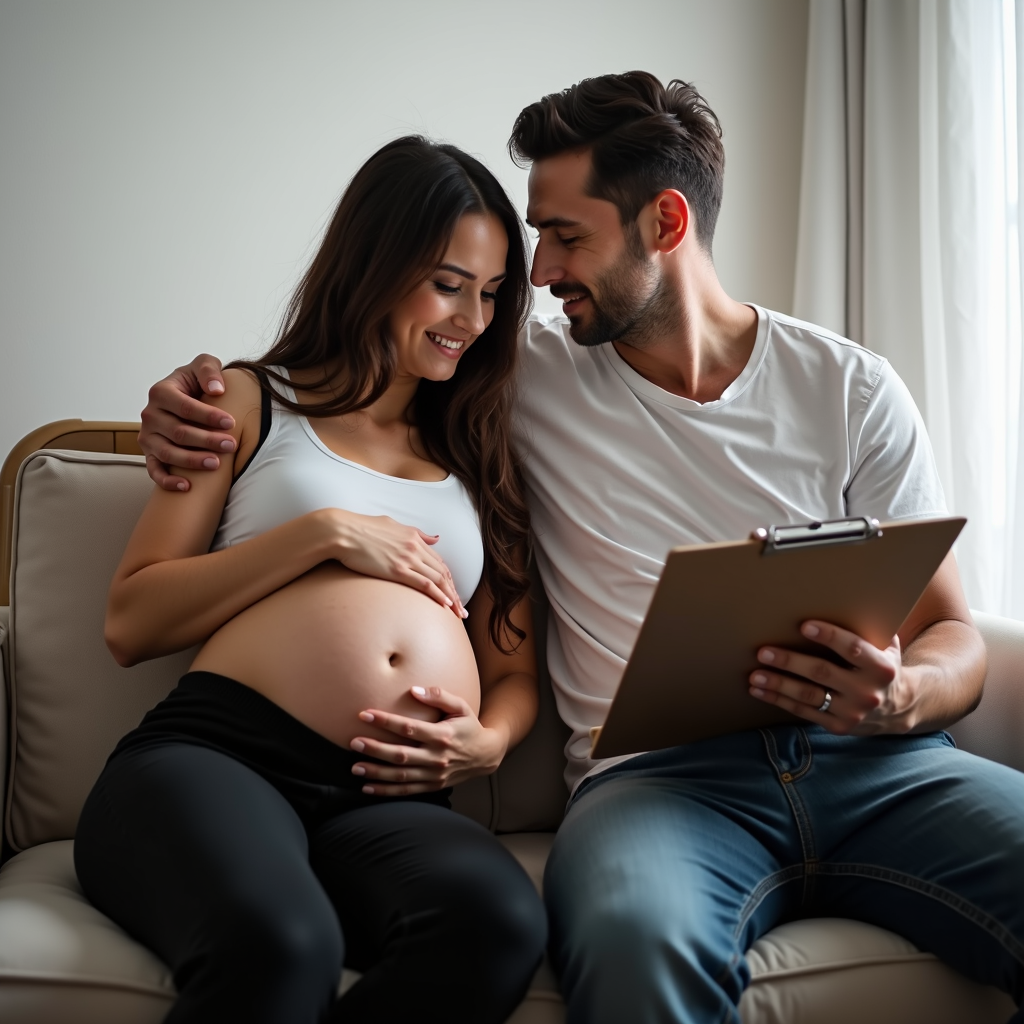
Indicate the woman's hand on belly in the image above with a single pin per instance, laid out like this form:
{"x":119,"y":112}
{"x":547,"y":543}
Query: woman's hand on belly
{"x":381,"y":547}
{"x":431,"y":755}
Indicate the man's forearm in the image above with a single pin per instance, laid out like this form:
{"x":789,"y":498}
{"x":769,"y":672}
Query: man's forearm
{"x":945,"y":671}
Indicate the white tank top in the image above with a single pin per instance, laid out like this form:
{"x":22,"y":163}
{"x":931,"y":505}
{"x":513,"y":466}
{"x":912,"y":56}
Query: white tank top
{"x":293,"y":472}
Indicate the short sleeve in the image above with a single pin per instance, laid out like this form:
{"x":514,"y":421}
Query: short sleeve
{"x":894,"y":473}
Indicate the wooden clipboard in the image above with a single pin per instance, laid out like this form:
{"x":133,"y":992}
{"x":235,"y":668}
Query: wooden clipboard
{"x":716,"y":604}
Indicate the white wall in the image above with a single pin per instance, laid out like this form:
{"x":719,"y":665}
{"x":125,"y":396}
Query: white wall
{"x":166,"y":168}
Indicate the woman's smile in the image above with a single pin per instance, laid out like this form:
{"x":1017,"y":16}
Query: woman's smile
{"x":451,"y":347}
{"x":438,"y":321}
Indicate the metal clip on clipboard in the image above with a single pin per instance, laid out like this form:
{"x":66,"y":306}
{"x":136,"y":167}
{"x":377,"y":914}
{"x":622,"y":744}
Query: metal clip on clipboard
{"x":811,"y":535}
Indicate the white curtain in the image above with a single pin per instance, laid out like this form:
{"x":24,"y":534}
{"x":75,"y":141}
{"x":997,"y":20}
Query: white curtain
{"x":908,"y":238}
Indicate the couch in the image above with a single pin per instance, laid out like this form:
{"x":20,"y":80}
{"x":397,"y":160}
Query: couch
{"x":68,"y":703}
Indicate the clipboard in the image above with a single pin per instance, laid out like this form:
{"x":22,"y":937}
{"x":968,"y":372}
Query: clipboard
{"x":717,"y":604}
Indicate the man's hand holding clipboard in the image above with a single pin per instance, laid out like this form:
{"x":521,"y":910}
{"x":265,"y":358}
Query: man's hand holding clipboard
{"x":809,"y":621}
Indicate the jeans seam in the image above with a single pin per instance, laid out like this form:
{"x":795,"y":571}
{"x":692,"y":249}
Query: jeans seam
{"x":801,"y":818}
{"x":767,"y":885}
{"x":957,"y":903}
{"x":731,"y":1013}
{"x":772,"y":747}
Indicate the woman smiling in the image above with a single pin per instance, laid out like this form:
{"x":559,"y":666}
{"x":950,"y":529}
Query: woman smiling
{"x":264,"y":825}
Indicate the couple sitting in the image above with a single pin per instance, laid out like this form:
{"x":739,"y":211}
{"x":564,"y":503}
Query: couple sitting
{"x":355,"y":564}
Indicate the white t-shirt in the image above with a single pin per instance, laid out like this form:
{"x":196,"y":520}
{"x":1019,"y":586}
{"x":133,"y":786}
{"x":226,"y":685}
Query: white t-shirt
{"x":620,"y":471}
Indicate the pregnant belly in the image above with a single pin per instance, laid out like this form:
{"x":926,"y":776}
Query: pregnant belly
{"x":334,"y":643}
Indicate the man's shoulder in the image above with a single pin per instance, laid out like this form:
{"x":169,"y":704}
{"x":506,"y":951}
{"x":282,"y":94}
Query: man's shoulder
{"x":546,"y":346}
{"x":813,"y":341}
{"x":810,"y":354}
{"x":544,"y":326}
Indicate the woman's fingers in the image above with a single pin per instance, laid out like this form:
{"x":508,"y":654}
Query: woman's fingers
{"x":401,"y":788}
{"x":421,"y":581}
{"x":428,"y":754}
{"x":409,"y":729}
{"x":435,"y":583}
{"x":443,"y":579}
{"x":379,"y":546}
{"x":436,"y":697}
{"x":400,"y":779}
{"x":396,"y":754}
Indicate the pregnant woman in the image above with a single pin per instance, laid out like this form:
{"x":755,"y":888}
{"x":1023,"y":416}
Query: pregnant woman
{"x":284,"y":811}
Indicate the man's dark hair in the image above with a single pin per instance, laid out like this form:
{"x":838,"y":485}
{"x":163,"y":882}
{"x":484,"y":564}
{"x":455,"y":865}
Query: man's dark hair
{"x":643,"y":136}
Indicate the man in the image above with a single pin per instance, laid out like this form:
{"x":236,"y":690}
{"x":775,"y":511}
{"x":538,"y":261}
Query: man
{"x":664,"y":412}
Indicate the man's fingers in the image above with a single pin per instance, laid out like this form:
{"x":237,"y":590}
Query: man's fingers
{"x":854,"y":649}
{"x":180,"y":395}
{"x":189,"y":409}
{"x":185,"y":435}
{"x":182,"y":458}
{"x":832,"y":722}
{"x":164,"y":480}
{"x":811,"y":695}
{"x":867,"y":663}
{"x":818,"y":670}
{"x":207,"y":370}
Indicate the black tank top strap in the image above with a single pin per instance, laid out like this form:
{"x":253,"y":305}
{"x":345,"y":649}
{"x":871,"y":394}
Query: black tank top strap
{"x":266,"y":411}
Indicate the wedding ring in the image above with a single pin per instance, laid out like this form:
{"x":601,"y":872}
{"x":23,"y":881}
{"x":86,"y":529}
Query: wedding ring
{"x":825,"y":703}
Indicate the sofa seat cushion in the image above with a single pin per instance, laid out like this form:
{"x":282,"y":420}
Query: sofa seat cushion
{"x":61,"y":959}
{"x":848,"y":972}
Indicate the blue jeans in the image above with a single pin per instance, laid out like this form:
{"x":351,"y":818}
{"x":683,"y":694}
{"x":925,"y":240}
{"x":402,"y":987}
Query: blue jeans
{"x":668,"y":867}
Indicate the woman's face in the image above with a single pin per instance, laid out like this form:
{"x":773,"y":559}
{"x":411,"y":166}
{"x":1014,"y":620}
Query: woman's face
{"x":434,"y":325}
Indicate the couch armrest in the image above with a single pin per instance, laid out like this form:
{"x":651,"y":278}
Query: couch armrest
{"x":996,"y":729}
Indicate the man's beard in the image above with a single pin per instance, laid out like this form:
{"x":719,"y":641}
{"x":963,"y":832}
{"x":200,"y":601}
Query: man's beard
{"x":635,"y":307}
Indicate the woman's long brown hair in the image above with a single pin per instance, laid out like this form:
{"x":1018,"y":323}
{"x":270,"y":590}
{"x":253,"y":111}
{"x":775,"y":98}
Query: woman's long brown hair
{"x":390,"y":231}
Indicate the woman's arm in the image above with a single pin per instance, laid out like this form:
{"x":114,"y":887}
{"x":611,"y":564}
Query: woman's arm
{"x":170,"y":591}
{"x":462,"y":745}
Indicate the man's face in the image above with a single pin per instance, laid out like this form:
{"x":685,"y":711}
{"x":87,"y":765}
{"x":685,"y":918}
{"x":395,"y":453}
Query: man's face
{"x":606,"y":280}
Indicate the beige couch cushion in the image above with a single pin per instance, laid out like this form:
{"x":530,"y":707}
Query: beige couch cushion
{"x":70,"y":702}
{"x":996,"y":729}
{"x":62,"y":960}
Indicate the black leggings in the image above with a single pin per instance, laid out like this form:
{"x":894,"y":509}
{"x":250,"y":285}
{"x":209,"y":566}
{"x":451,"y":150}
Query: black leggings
{"x":255,"y":899}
